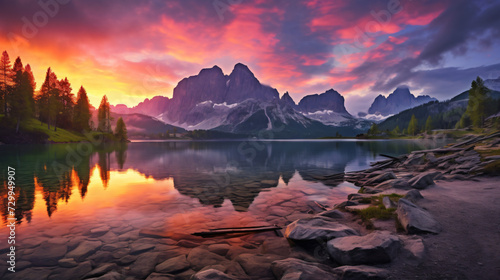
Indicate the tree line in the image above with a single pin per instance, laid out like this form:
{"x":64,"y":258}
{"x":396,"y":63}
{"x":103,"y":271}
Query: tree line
{"x":55,"y":104}
{"x":443,"y":115}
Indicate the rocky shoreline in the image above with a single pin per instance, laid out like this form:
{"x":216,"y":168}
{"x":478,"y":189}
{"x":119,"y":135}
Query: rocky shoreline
{"x":379,"y":232}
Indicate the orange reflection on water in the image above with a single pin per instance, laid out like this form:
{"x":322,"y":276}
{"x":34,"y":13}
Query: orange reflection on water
{"x":126,"y":189}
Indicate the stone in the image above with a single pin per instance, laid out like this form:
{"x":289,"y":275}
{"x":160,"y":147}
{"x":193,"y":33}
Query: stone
{"x":101,"y":270}
{"x":414,"y":159}
{"x":312,"y":229}
{"x":187,"y":244}
{"x":276,"y":246}
{"x":293,"y":268}
{"x":173,"y":265}
{"x":388,"y":203}
{"x":375,"y":248}
{"x":257,"y":265}
{"x":430,"y":157}
{"x":128,"y":259}
{"x":413,"y":196}
{"x":138,"y":248}
{"x":413,"y":249}
{"x":72,"y":273}
{"x":85,"y":249}
{"x":113,"y":275}
{"x":361,"y":272}
{"x":144,"y":265}
{"x":199,"y":258}
{"x":67,"y":263}
{"x":332,"y":214}
{"x":380,"y":178}
{"x":99,"y":231}
{"x":393,"y":184}
{"x":47,"y":254}
{"x":32,"y":273}
{"x":423,"y":180}
{"x":211,"y":274}
{"x":415,"y":219}
{"x":159,"y":276}
{"x":219,"y":249}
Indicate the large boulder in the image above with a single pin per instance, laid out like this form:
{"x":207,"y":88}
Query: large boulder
{"x":317,"y":228}
{"x":380,"y":178}
{"x":413,"y":196}
{"x":292,"y":268}
{"x":374,"y":248}
{"x":360,"y":272}
{"x":423,"y":180}
{"x":211,"y":274}
{"x":415,"y":219}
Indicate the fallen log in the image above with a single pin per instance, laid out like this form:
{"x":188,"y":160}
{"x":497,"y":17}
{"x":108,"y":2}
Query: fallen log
{"x":391,"y":157}
{"x":215,"y":232}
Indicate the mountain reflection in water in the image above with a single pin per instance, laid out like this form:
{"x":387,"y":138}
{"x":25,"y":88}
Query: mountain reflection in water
{"x":208,"y":171}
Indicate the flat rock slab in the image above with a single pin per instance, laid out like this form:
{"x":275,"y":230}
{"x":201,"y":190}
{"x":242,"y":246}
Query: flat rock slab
{"x":312,"y":229}
{"x":380,"y":178}
{"x":374,"y":248}
{"x":47,"y":254}
{"x":71,"y":273}
{"x":357,"y":207}
{"x":101,"y":270}
{"x":85,"y":249}
{"x":173,"y":265}
{"x":144,"y":265}
{"x":293,"y":268}
{"x":393,"y":183}
{"x":415,"y":219}
{"x":361,"y":272}
{"x":211,"y":274}
{"x":413,"y":196}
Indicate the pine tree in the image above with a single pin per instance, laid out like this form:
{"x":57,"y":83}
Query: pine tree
{"x":477,"y":102}
{"x":48,"y":98}
{"x":396,"y":130}
{"x":66,"y":104}
{"x":413,"y":126}
{"x":121,"y":131}
{"x":81,"y":117}
{"x":373,"y":129}
{"x":6,"y":80}
{"x":21,"y":100}
{"x":428,"y":124}
{"x":103,"y":117}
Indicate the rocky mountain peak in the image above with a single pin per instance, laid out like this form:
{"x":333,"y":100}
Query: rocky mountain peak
{"x":399,"y":100}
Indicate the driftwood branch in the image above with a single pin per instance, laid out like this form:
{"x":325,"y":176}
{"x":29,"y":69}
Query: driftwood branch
{"x":215,"y":232}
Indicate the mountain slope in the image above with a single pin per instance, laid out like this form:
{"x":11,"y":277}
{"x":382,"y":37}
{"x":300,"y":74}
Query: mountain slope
{"x":400,"y":100}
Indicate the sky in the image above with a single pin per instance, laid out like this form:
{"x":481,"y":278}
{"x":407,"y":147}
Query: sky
{"x":132,"y":50}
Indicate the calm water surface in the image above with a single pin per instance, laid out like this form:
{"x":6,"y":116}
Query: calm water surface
{"x":65,"y":191}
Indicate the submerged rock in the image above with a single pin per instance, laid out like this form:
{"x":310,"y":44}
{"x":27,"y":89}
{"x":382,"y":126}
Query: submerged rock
{"x":312,"y":229}
{"x":85,"y":249}
{"x":374,"y":248}
{"x":47,"y":254}
{"x":173,"y":265}
{"x":199,"y":258}
{"x":415,"y":219}
{"x":211,"y":274}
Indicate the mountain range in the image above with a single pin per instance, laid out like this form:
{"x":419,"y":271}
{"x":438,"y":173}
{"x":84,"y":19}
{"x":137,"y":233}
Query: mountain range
{"x":399,"y":100}
{"x":239,"y":103}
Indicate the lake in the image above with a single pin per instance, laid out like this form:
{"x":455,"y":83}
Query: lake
{"x":121,"y":197}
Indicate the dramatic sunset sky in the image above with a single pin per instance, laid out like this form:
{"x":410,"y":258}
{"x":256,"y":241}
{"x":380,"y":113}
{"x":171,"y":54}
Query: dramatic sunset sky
{"x":131,"y":50}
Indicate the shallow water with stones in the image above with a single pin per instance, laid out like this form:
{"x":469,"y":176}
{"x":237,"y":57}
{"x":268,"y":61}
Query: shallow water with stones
{"x":98,"y":205}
